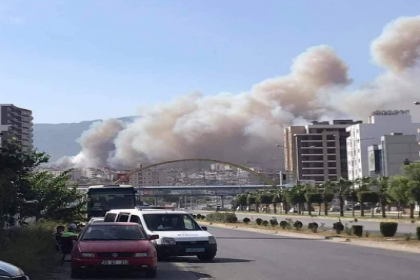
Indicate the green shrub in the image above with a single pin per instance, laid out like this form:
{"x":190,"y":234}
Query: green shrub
{"x":418,"y":233}
{"x":274,"y":223}
{"x":284,"y":224}
{"x":338,"y":227}
{"x":313,"y":227}
{"x":357,"y":230}
{"x":298,"y":225}
{"x":31,"y":248}
{"x":265,"y":223}
{"x":222,"y":217}
{"x":388,"y":229}
{"x":259,"y":221}
{"x":203,"y":217}
{"x":407,"y":236}
{"x":194,"y":216}
{"x":198,"y":216}
{"x":246,"y":220}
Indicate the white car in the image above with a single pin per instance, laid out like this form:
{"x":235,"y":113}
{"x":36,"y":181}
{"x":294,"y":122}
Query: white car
{"x":179,"y":234}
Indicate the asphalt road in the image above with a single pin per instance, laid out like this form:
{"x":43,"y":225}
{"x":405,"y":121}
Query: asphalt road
{"x":369,"y":226}
{"x":246,"y":255}
{"x":166,"y":271}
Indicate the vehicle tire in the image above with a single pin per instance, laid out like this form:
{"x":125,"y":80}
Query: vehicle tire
{"x":206,"y":257}
{"x":75,"y":273}
{"x":151,"y":273}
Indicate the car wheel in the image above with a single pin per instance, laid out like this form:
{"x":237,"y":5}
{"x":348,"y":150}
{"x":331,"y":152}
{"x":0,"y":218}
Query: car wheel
{"x":75,"y":273}
{"x":206,"y":257}
{"x":151,"y":273}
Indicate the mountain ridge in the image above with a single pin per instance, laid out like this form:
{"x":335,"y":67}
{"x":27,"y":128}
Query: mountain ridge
{"x":59,"y":140}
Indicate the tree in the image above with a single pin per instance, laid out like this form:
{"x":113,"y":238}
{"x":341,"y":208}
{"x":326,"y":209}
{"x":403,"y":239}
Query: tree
{"x":365,"y":184}
{"x":296,"y":196}
{"x":412,"y":173}
{"x":312,"y":197}
{"x":327,"y":195}
{"x":342,"y":187}
{"x":51,"y":199}
{"x":241,"y":200}
{"x":250,"y":200}
{"x":265,"y":198}
{"x":383,"y":184}
{"x":277,"y":198}
{"x":367,"y":196}
{"x":15,"y":167}
{"x":397,"y":190}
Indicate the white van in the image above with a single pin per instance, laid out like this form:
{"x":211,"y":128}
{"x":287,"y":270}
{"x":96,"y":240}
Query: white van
{"x":179,"y":234}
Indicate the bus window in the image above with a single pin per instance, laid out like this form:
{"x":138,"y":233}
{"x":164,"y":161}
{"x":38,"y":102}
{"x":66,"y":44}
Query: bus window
{"x":135,"y":219}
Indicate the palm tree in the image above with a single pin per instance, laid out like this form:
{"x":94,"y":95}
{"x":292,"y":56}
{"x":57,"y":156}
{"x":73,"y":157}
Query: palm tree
{"x":383,"y":185}
{"x":342,"y":187}
{"x":365,"y":184}
{"x":277,"y":198}
{"x":327,"y":195}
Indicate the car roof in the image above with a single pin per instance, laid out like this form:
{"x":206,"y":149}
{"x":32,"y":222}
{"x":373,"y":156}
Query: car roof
{"x":147,"y":211}
{"x":113,"y":224}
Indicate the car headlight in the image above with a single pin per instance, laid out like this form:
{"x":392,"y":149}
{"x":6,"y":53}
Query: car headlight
{"x":212,"y":240}
{"x":87,"y":255}
{"x":142,"y":255}
{"x":168,"y":241}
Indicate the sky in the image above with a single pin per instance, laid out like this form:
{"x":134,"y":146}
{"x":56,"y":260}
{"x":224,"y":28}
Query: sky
{"x":75,"y":60}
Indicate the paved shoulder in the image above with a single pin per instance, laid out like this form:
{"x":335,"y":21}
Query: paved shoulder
{"x":166,"y":271}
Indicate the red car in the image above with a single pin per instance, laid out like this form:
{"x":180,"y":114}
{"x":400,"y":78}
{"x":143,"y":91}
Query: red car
{"x":114,"y":246}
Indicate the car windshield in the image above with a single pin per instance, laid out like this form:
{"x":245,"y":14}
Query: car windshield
{"x":113,"y":232}
{"x":170,"y":222}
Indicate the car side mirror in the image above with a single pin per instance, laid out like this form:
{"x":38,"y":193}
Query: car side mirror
{"x":204,"y":228}
{"x":153,"y":237}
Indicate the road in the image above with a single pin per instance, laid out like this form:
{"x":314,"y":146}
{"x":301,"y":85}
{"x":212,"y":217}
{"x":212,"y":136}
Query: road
{"x":244,"y":255}
{"x":370,"y":226}
{"x":254,"y":256}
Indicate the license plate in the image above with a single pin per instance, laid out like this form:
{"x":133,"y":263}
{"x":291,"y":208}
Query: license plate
{"x":115,"y":262}
{"x":194,"y":250}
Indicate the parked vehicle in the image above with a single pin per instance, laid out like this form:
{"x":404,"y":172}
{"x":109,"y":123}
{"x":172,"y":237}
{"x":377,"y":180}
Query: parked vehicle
{"x":179,"y":233}
{"x":10,"y":271}
{"x":119,"y":246}
{"x":96,"y":220}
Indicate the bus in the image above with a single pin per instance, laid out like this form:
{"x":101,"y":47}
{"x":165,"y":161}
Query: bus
{"x":102,"y":198}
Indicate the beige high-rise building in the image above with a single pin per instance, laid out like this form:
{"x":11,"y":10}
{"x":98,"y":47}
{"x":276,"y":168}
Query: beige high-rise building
{"x":317,"y":152}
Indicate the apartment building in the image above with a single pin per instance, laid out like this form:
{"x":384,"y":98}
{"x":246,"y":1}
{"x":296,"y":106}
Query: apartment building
{"x":16,"y":123}
{"x":149,"y":177}
{"x":317,"y":152}
{"x":363,"y":135}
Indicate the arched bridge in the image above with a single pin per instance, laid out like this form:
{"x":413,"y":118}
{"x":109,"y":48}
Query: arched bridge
{"x":259,"y":175}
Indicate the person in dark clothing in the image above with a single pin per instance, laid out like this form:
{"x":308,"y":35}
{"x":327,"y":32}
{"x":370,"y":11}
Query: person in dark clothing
{"x":57,"y":236}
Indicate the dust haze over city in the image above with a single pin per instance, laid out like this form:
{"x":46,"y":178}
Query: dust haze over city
{"x":235,"y":127}
{"x":212,"y":140}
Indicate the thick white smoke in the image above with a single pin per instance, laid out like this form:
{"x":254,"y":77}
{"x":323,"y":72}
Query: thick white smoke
{"x":248,"y":125}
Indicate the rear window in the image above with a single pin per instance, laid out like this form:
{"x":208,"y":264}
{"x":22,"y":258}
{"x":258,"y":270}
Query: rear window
{"x":170,"y":222}
{"x":110,"y":217}
{"x":112,"y":232}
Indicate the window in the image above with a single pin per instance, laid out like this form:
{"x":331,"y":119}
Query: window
{"x":135,"y":219}
{"x":123,"y":218}
{"x":110,"y":217}
{"x":112,"y":232}
{"x":170,"y":222}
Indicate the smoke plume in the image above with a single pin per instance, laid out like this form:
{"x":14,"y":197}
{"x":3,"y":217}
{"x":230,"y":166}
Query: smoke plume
{"x":247,"y":126}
